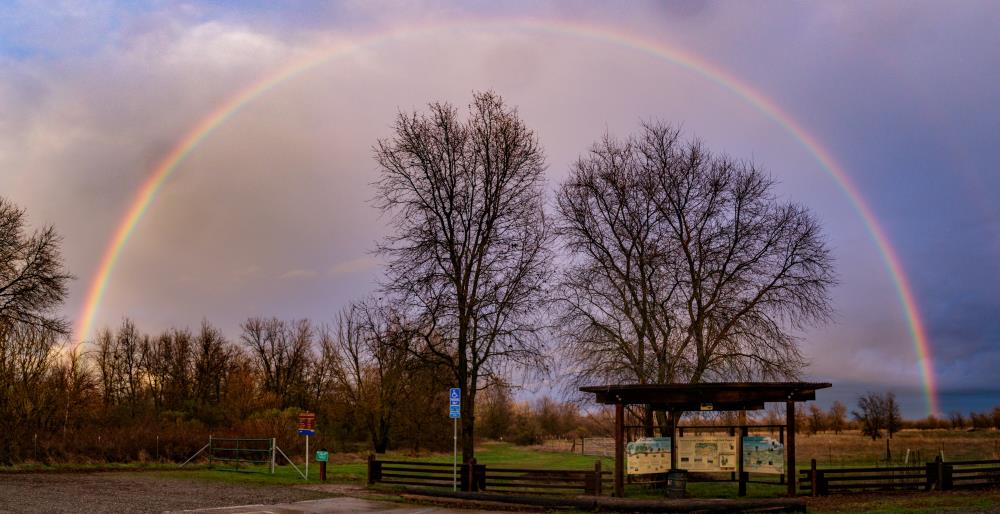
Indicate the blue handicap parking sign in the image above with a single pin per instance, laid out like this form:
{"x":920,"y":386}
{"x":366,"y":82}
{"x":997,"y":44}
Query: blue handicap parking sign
{"x":454,"y":402}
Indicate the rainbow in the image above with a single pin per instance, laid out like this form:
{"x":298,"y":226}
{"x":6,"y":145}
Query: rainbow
{"x":147,"y":193}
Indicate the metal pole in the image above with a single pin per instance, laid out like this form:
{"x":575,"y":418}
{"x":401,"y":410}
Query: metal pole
{"x":273,"y":445}
{"x":454,"y":465}
{"x":307,"y":458}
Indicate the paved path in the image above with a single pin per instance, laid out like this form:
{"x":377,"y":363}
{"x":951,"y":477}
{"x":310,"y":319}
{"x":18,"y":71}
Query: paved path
{"x":338,"y":505}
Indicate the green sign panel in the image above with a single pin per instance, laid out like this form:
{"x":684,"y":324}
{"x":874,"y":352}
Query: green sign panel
{"x":322,"y":456}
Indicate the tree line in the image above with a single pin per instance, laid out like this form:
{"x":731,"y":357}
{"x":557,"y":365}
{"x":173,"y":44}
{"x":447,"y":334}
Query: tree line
{"x":660,"y":262}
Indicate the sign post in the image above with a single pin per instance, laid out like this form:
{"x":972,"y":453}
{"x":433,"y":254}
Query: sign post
{"x":321,"y":457}
{"x":455,"y":412}
{"x":307,"y":427}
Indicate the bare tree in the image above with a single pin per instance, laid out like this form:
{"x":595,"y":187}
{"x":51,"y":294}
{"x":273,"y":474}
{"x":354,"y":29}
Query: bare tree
{"x":104,"y":355}
{"x":281,"y":352}
{"x":213,"y":361}
{"x":32,"y":285}
{"x":497,"y":413}
{"x":871,"y":415}
{"x":837,"y":418}
{"x":32,"y":277}
{"x":685,"y":266}
{"x":469,"y":255}
{"x":893,"y":418}
{"x":817,"y":419}
{"x":25,"y":359}
{"x":957,"y":420}
{"x":371,"y":361}
{"x":168,"y":362}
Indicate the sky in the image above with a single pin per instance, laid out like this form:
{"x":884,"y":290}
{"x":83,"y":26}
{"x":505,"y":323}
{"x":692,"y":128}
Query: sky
{"x":269,"y":213}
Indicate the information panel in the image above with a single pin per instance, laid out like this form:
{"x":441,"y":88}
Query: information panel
{"x":648,"y":455}
{"x":763,"y":454}
{"x":696,"y":452}
{"x":707,"y":452}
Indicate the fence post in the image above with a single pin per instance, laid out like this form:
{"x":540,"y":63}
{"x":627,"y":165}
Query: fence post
{"x":374,"y":469}
{"x":471,"y":483}
{"x":939,"y":464}
{"x":597,"y":478}
{"x":946,"y":481}
{"x":813,"y":483}
{"x":480,"y":477}
{"x":464,"y":484}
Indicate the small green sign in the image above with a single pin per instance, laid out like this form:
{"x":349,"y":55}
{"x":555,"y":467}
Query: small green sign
{"x":322,"y":456}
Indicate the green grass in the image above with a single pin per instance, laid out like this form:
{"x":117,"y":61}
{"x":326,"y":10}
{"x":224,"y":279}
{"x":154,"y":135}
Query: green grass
{"x":909,"y":503}
{"x":247,"y":475}
{"x":510,"y":456}
{"x":35,"y":467}
{"x":353,"y":469}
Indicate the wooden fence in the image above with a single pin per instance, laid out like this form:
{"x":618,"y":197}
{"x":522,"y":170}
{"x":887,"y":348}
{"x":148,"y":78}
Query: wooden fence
{"x":937,"y":475}
{"x":478,"y":477}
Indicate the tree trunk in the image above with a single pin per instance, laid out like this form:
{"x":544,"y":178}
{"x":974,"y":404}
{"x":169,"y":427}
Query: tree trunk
{"x":663,"y":422}
{"x":468,"y":421}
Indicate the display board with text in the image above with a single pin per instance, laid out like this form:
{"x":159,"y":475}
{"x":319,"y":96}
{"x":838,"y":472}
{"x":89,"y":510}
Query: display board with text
{"x":707,"y":452}
{"x":648,"y":455}
{"x":762,"y":454}
{"x":696,"y":452}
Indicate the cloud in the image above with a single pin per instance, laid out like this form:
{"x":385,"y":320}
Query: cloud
{"x":299,"y":274}
{"x":355,"y":265}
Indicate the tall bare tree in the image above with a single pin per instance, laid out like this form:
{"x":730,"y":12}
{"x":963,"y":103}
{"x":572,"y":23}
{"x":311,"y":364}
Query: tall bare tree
{"x":33,"y":284}
{"x":837,"y":418}
{"x":371,"y":361}
{"x":214,"y":359}
{"x":871,"y":415}
{"x":25,"y":360}
{"x":684,"y":266}
{"x":469,"y":254}
{"x":281,"y":352}
{"x":32,"y":276}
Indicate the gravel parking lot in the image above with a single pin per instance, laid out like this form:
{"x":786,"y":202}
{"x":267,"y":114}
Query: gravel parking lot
{"x":131,"y":492}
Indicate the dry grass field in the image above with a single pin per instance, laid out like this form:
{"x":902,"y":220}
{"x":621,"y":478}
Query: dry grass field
{"x":851,"y":449}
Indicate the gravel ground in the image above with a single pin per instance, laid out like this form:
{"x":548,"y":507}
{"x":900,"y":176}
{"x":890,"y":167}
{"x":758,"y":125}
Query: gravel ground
{"x":130,"y":492}
{"x":965,"y":501}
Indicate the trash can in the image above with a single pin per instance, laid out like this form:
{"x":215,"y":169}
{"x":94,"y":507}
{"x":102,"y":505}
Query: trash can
{"x":677,"y":483}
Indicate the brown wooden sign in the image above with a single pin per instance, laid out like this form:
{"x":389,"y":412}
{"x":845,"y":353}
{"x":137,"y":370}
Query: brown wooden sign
{"x":307,"y":421}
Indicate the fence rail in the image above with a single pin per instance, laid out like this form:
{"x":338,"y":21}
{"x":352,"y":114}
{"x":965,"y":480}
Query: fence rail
{"x":478,"y":477}
{"x":938,"y":475}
